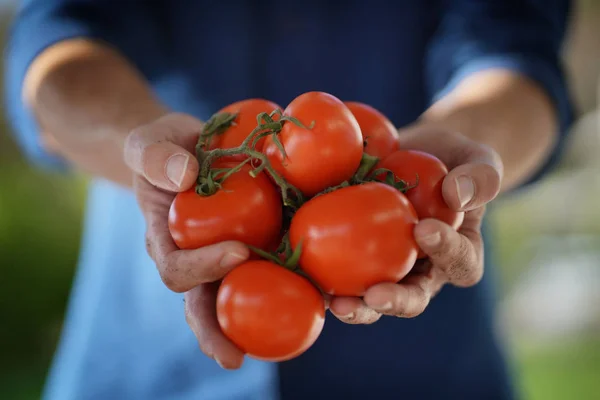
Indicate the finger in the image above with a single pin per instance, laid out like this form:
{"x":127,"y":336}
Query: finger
{"x":352,"y":310}
{"x":476,"y":170}
{"x":460,"y":257}
{"x":200,"y":314}
{"x":181,"y":270}
{"x":406,"y":299}
{"x":471,"y":185}
{"x":161,"y":152}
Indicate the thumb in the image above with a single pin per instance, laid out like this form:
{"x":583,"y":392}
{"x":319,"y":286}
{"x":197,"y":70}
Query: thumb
{"x":161,"y":152}
{"x":474,"y":183}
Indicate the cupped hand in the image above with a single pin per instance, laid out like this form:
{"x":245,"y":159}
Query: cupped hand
{"x":454,"y":257}
{"x":161,"y":156}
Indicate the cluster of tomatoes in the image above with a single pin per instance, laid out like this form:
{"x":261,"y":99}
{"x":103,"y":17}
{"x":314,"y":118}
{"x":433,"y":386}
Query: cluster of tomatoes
{"x":326,"y":199}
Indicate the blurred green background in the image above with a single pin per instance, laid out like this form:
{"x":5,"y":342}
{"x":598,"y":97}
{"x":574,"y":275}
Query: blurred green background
{"x":548,"y":245}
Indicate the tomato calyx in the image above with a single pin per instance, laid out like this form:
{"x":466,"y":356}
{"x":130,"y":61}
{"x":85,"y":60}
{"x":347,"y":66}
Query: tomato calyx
{"x":266,"y":125}
{"x":389,"y":178}
{"x":284,"y":256}
{"x":277,"y":126}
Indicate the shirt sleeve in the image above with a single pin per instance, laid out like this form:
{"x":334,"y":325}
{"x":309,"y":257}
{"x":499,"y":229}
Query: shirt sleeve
{"x":130,"y":26}
{"x":520,"y":35}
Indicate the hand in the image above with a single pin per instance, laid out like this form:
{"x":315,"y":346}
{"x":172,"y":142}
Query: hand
{"x":453,"y":257}
{"x":161,"y":156}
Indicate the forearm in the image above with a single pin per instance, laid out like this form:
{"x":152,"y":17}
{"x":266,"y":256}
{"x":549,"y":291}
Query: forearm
{"x":86,"y":98}
{"x":506,"y":111}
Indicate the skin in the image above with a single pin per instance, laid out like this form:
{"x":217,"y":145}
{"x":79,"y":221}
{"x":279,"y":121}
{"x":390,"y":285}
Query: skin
{"x":507,"y":127}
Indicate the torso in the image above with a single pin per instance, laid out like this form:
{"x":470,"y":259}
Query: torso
{"x":126,"y":335}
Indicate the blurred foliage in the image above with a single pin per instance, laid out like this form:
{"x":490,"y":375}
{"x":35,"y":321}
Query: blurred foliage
{"x":40,"y":218}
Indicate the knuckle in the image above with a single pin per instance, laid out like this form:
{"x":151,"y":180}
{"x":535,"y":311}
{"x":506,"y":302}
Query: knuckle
{"x":171,"y":282}
{"x":472,"y":278}
{"x":169,"y":274}
{"x":418,"y":303}
{"x":459,"y":264}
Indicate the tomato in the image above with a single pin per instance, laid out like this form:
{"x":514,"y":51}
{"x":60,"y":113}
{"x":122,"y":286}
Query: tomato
{"x":323,"y":156}
{"x":244,"y":123}
{"x":269,"y":312}
{"x":355,"y":237}
{"x":379,"y":134}
{"x":426,"y":197}
{"x":246,"y":209}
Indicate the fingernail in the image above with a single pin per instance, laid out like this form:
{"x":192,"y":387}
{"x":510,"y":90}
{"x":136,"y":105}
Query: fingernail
{"x":219,"y":363}
{"x":432,"y":240}
{"x":383,"y":307}
{"x":231,"y":260}
{"x":176,"y":166}
{"x":465,"y":190}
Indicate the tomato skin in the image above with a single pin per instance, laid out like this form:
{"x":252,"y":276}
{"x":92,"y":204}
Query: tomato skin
{"x":356,"y":237}
{"x":245,"y":209}
{"x":378,"y":132}
{"x":426,"y":197}
{"x":323,"y":156}
{"x":245,"y":123}
{"x":269,"y":312}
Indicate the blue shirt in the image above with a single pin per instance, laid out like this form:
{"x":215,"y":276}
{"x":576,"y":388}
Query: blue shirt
{"x":125,"y":336}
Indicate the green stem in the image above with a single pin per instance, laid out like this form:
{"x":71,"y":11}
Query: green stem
{"x":265,"y":254}
{"x":367,"y":163}
{"x":217,"y":124}
{"x":291,"y":261}
{"x":265,"y":126}
{"x":389,"y":178}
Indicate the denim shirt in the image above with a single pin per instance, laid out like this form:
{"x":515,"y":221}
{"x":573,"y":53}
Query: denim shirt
{"x":125,"y":336}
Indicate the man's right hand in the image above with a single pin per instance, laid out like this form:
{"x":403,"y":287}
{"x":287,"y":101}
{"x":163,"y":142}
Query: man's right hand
{"x":161,"y":154}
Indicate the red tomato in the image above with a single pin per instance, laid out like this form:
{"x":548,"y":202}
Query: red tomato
{"x":323,"y":156}
{"x":378,"y":132}
{"x":244,"y":123}
{"x":245,"y":209}
{"x":269,"y":312}
{"x":356,"y":237}
{"x":426,"y":197}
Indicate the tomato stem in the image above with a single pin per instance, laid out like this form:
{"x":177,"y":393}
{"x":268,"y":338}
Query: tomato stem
{"x":290,"y":260}
{"x":208,"y":185}
{"x":266,"y":125}
{"x":217,"y":124}
{"x":265,"y":254}
{"x":367,"y":163}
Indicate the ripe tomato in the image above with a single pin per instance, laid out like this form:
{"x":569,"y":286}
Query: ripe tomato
{"x":323,"y":156}
{"x":269,"y":312}
{"x":355,"y":237}
{"x":244,"y":123}
{"x":245,"y":209}
{"x":379,"y":134}
{"x":426,"y":197}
